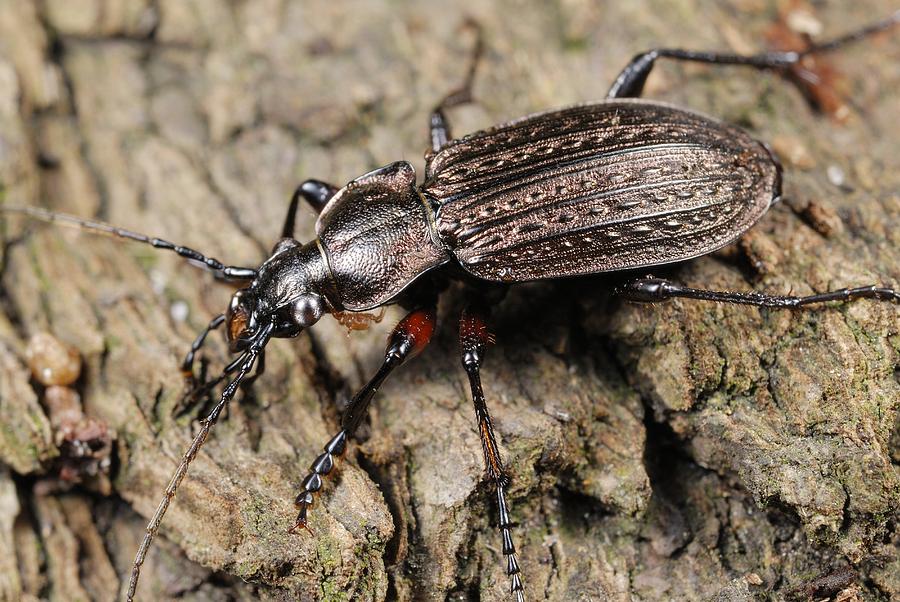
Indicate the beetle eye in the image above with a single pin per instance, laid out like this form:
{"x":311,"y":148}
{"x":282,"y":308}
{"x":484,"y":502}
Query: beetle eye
{"x":307,"y":309}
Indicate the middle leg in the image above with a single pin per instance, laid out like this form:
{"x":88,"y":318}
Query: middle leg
{"x":474,"y":338}
{"x":439,"y":125}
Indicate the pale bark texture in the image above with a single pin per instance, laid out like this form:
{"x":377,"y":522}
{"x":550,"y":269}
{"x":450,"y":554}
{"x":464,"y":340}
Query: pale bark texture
{"x":685,"y":451}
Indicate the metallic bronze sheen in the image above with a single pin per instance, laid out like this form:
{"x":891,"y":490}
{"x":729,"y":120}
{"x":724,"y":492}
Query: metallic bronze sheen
{"x":597,"y":187}
{"x":378,"y":237}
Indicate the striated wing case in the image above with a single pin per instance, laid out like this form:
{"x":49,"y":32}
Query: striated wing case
{"x":597,"y":187}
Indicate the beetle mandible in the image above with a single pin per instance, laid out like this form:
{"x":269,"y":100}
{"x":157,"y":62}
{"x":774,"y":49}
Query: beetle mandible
{"x":614,"y":185}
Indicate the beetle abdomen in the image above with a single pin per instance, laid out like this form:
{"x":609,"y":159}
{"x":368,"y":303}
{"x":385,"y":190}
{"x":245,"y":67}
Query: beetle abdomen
{"x":595,"y":188}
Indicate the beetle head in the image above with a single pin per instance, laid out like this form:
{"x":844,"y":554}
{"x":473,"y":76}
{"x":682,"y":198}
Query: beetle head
{"x":285,"y":298}
{"x":245,"y":316}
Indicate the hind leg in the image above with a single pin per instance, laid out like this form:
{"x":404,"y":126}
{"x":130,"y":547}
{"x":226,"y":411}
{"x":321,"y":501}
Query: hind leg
{"x":652,"y":290}
{"x":630,"y":82}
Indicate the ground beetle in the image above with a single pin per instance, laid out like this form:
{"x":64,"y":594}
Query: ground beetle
{"x":613,"y":185}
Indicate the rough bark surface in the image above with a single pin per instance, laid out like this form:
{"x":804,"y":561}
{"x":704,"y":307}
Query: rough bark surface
{"x":680,"y":451}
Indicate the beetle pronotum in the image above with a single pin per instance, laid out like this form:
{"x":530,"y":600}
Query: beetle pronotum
{"x":614,"y":185}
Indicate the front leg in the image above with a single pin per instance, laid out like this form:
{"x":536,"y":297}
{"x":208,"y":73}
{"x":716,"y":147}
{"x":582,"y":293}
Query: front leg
{"x":473,"y":339}
{"x":407,"y":340}
{"x":187,"y":364}
{"x":316,"y":193}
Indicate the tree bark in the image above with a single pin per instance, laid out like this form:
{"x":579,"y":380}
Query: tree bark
{"x":679,"y":451}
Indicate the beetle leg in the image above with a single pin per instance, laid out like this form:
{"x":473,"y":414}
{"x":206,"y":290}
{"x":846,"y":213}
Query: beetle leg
{"x":630,"y":82}
{"x":187,"y":365}
{"x":314,"y":192}
{"x":192,"y":391}
{"x":198,"y":392}
{"x":651,"y":290}
{"x":259,"y":371}
{"x":474,"y":338}
{"x":408,"y":339}
{"x":439,"y":125}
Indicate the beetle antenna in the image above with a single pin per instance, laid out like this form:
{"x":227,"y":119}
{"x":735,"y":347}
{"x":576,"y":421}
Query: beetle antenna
{"x":246,"y":362}
{"x":211,"y":263}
